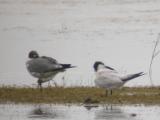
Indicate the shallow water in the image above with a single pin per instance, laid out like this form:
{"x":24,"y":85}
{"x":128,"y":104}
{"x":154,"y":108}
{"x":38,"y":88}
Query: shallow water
{"x":121,"y":33}
{"x":76,"y":112}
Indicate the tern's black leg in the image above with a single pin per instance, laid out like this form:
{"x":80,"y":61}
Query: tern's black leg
{"x":109,"y":92}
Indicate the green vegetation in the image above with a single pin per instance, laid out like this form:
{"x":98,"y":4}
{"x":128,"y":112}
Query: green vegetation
{"x":141,"y":95}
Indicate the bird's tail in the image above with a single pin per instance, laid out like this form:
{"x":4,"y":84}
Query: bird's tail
{"x":132,"y":76}
{"x":66,"y":66}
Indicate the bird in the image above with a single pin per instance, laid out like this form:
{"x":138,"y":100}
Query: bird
{"x":109,"y":79}
{"x":44,"y":68}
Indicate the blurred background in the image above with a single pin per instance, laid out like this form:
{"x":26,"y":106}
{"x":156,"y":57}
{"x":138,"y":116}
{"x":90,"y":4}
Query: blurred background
{"x":121,"y":33}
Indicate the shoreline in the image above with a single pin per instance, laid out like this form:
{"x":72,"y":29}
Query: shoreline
{"x":80,"y":95}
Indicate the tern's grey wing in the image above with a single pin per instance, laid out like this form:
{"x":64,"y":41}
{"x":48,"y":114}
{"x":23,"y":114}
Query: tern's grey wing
{"x":42,"y":65}
{"x":132,"y":76}
{"x":107,"y":79}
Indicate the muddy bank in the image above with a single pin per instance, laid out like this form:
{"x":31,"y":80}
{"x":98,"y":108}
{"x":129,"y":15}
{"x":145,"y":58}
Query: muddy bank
{"x":126,"y":95}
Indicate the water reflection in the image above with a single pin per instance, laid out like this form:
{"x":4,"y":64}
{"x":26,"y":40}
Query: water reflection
{"x":77,"y":112}
{"x":44,"y":112}
{"x":112,"y":113}
{"x":89,"y":107}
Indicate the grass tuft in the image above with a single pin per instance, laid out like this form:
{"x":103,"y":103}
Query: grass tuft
{"x":126,"y":95}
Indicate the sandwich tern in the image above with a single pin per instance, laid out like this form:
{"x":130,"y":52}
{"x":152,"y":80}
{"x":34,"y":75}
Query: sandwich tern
{"x":44,"y":68}
{"x":109,"y":78}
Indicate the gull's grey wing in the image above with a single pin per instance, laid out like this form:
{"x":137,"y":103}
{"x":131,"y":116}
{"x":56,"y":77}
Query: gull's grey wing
{"x":43,"y":64}
{"x":49,"y":59}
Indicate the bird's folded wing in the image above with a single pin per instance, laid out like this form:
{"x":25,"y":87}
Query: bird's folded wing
{"x":50,"y":59}
{"x":132,"y":76}
{"x":41,"y":65}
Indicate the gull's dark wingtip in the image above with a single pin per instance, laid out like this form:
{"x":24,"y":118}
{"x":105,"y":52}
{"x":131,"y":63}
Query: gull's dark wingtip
{"x":65,"y":66}
{"x":73,"y":66}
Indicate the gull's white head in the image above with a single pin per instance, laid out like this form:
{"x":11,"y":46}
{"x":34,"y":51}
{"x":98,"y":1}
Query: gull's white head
{"x":98,"y":65}
{"x":33,"y":54}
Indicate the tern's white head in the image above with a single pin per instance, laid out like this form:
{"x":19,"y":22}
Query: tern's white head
{"x":98,"y":65}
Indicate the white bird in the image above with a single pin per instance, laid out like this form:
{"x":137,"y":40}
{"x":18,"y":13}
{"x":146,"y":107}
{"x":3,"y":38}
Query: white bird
{"x":109,"y":78}
{"x":44,"y":68}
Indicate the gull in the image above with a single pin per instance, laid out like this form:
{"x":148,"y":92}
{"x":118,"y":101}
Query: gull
{"x":44,"y":68}
{"x":109,"y":78}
